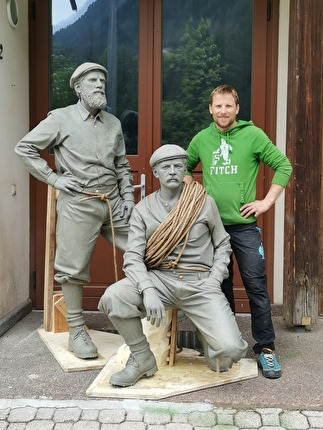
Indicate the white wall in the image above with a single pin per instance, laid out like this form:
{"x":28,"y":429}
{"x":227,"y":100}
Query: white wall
{"x":281,"y":144}
{"x":14,"y":122}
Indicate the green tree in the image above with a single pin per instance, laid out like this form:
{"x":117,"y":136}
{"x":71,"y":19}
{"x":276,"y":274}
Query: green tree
{"x":189,"y":71}
{"x":63,"y":65}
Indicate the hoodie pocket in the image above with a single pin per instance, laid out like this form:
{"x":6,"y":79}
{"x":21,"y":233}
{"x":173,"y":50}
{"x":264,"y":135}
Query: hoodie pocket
{"x":229,"y":197}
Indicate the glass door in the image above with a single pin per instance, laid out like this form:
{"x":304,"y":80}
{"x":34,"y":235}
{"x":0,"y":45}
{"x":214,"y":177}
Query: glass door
{"x":204,"y":44}
{"x":105,"y":33}
{"x":163,"y":58}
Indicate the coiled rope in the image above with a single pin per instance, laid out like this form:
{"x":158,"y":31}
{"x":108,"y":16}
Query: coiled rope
{"x":175,"y":227}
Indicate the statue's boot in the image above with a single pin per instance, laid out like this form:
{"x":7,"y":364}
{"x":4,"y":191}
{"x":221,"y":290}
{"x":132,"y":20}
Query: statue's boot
{"x":141,"y":362}
{"x":79,"y":341}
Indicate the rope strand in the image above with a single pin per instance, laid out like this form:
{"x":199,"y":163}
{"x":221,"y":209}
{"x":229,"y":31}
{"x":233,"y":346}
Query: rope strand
{"x":175,"y":227}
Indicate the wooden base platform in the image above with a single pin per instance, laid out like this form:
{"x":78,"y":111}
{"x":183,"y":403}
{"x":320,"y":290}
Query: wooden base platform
{"x":107,"y":344}
{"x":190,"y":373}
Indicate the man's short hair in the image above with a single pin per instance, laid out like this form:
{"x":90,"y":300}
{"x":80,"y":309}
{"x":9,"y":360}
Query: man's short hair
{"x":225,"y":89}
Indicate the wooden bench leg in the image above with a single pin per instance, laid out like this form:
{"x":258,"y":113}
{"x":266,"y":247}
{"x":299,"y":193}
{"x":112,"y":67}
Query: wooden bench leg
{"x":173,"y":340}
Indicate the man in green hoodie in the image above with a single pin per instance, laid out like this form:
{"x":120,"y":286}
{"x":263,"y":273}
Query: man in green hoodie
{"x":231,"y":151}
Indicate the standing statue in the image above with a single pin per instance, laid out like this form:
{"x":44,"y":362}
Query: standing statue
{"x":96,"y":189}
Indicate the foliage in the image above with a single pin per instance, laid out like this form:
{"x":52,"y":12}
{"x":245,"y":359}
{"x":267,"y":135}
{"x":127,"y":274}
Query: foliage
{"x":89,"y":38}
{"x":204,"y":44}
{"x":62,"y":68}
{"x":190,"y":71}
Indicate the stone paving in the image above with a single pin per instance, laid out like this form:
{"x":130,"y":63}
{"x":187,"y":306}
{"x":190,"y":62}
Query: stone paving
{"x":31,"y":381}
{"x":22,"y":414}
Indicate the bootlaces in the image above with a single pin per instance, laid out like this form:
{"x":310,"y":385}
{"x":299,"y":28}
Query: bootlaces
{"x":131,"y":360}
{"x":83,"y":335}
{"x":269,"y":357}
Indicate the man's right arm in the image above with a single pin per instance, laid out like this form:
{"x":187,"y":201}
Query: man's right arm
{"x":134,"y":265}
{"x":192,"y":161}
{"x":29,"y":148}
{"x":35,"y":165}
{"x":44,"y":136}
{"x":135,"y":269}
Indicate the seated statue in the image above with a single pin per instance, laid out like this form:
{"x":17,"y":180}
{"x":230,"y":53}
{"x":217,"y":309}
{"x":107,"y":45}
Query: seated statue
{"x":177,"y":257}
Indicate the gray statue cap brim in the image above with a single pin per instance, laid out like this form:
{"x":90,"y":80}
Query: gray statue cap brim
{"x":85,"y":68}
{"x":167,"y":152}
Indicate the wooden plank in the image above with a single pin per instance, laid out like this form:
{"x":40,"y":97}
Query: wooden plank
{"x":191,"y":373}
{"x":107,"y":344}
{"x":59,"y":314}
{"x":49,"y":259}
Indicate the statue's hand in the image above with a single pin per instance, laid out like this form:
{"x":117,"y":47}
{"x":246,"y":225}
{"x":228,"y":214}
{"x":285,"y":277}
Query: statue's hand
{"x":68,"y":184}
{"x":155,"y":309}
{"x":126,"y":209}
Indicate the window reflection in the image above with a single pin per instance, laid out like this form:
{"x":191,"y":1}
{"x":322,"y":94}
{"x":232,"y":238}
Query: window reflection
{"x":205,"y":44}
{"x":129,"y":123}
{"x":100,"y":31}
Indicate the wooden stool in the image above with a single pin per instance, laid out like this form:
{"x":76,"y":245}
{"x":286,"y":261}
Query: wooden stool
{"x":173,"y":339}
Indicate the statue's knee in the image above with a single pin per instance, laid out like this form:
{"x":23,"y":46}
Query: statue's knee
{"x":105,"y":302}
{"x":220,"y":363}
{"x":102,"y":306}
{"x":230,"y":353}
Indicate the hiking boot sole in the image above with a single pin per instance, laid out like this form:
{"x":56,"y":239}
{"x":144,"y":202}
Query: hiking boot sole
{"x":83,"y":356}
{"x":146,"y":374}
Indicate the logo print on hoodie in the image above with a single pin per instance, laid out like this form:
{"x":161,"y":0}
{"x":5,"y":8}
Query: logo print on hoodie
{"x":222,"y":157}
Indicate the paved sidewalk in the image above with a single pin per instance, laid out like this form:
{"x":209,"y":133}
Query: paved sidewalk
{"x":21,"y":414}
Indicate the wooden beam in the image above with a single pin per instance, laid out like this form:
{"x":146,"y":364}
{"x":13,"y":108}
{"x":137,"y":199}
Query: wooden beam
{"x":49,"y":259}
{"x":303,"y":228}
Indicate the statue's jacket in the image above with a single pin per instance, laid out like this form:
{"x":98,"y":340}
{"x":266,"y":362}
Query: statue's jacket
{"x":208,"y":246}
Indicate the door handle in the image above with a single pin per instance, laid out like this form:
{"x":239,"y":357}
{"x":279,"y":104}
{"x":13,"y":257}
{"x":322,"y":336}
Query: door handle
{"x":142,"y":186}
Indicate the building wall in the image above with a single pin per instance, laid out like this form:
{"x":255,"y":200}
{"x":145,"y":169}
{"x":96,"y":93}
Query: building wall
{"x":14,"y":180}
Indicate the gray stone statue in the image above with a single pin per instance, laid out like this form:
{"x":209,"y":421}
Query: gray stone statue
{"x":96,"y":190}
{"x":177,"y":257}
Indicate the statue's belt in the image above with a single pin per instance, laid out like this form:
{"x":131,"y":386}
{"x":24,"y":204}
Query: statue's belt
{"x":97,"y":195}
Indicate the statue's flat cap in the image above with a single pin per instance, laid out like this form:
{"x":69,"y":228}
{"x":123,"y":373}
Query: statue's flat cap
{"x":84,"y":68}
{"x":167,"y":152}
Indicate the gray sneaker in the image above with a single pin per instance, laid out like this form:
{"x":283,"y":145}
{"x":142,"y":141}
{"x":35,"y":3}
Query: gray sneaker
{"x":80,"y":343}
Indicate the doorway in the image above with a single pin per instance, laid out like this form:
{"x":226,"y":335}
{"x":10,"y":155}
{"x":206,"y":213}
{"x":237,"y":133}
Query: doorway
{"x":163,"y":57}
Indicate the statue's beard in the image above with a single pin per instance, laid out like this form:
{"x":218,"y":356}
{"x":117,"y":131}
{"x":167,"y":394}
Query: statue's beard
{"x":94,"y":101}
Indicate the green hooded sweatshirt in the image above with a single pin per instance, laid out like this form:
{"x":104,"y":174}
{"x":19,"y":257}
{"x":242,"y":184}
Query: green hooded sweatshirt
{"x":230,"y":163}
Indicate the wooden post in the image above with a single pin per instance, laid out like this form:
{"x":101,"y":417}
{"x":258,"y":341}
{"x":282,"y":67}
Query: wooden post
{"x":49,"y":259}
{"x":303,"y":220}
